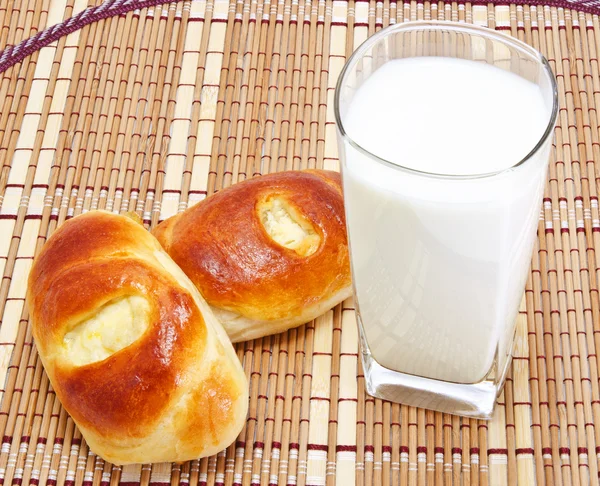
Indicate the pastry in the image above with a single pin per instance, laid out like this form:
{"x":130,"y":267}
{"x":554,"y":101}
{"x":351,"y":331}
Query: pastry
{"x":267,"y":254}
{"x":132,"y":350}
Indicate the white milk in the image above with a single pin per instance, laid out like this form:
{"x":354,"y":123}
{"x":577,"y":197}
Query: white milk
{"x":440,"y":263}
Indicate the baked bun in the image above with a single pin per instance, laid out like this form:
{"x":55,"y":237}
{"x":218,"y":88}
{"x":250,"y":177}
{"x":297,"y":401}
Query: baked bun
{"x":132,"y":350}
{"x":267,"y":254}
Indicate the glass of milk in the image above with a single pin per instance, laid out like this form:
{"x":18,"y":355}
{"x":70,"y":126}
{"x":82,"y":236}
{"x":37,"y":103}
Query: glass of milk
{"x":444,"y":134}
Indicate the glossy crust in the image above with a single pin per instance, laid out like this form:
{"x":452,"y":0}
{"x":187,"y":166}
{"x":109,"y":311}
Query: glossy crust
{"x":176,"y":393}
{"x":261,"y":286}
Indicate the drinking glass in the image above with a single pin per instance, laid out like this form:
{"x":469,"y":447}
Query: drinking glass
{"x":439,"y":262}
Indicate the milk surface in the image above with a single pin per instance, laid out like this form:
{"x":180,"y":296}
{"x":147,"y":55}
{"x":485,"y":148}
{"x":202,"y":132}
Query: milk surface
{"x":439,"y":263}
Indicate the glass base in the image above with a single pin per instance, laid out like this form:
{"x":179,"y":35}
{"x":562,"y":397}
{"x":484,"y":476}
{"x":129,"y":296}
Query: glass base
{"x":475,"y":400}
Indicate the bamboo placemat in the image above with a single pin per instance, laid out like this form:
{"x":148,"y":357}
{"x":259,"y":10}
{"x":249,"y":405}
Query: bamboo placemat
{"x":153,"y":110}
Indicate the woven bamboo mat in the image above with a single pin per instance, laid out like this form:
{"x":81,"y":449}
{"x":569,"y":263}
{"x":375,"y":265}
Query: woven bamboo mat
{"x":154,"y":110}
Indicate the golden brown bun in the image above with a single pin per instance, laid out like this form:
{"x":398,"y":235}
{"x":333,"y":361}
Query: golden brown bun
{"x":257,"y":286}
{"x":176,"y":391}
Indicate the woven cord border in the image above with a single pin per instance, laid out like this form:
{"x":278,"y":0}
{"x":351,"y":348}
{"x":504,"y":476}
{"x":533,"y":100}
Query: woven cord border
{"x":14,"y":54}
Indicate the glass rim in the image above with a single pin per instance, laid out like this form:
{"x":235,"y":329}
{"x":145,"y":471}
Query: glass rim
{"x":456,"y":27}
